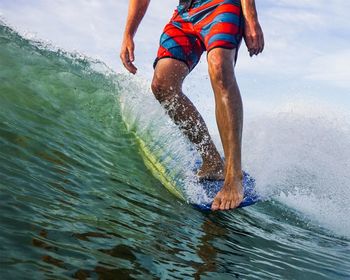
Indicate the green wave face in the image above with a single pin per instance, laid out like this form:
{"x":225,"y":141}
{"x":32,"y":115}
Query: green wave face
{"x":58,"y":105}
{"x":78,"y":201}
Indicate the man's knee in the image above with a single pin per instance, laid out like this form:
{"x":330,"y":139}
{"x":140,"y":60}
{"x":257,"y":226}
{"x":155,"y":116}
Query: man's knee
{"x":162,"y":89}
{"x":221,"y":69}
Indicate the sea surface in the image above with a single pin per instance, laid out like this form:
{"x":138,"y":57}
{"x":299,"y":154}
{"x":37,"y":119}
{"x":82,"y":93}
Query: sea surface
{"x":77,"y":201}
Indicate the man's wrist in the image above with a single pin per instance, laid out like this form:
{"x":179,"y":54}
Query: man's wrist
{"x":234,"y":175}
{"x":128,"y":35}
{"x":252,"y":24}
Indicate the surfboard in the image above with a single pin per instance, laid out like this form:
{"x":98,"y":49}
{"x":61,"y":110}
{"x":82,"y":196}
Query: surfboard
{"x":209,"y":189}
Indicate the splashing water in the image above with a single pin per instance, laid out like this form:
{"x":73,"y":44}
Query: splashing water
{"x":146,"y":118}
{"x":301,"y":156}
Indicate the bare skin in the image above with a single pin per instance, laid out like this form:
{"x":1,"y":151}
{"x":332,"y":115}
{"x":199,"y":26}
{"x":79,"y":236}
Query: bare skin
{"x":167,"y":88}
{"x":229,"y":118}
{"x":167,"y":83}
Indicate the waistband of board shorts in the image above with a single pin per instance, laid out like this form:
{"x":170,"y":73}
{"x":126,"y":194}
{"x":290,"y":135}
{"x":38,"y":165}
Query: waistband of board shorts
{"x":186,"y":5}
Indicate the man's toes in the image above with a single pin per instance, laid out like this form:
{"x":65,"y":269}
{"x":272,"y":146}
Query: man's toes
{"x":238,"y":202}
{"x":227,"y":206}
{"x":216,"y":204}
{"x":223,"y":204}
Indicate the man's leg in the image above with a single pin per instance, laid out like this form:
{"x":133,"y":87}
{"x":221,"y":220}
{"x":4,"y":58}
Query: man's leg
{"x":229,"y":117}
{"x":167,"y":87}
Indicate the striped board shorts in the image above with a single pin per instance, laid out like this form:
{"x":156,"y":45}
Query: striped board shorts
{"x":203,"y":26}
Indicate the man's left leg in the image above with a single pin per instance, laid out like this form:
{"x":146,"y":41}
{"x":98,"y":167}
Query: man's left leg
{"x":229,"y":117}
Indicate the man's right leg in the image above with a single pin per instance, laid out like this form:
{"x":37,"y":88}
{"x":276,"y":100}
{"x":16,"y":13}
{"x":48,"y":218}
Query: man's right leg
{"x":167,"y":83}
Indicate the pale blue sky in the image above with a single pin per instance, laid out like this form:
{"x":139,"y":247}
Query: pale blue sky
{"x":306,"y":59}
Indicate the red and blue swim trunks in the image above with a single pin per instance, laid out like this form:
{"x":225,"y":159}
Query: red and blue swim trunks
{"x":199,"y":26}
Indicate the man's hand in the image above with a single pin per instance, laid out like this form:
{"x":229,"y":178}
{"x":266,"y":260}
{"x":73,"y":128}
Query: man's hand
{"x":127,"y":54}
{"x":253,"y":37}
{"x":137,"y":9}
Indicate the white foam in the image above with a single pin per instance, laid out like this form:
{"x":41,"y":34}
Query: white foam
{"x":301,"y":156}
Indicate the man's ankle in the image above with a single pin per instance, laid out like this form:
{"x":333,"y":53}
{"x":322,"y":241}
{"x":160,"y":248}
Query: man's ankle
{"x":234,"y":176}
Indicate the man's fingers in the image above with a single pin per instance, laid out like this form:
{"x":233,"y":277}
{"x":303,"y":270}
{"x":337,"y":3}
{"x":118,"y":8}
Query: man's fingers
{"x":130,"y":67}
{"x":255,"y":44}
{"x":127,"y":60}
{"x":249,"y":43}
{"x":252,"y":44}
{"x":259,"y":44}
{"x":131,"y":54}
{"x":124,"y":56}
{"x":262,"y":42}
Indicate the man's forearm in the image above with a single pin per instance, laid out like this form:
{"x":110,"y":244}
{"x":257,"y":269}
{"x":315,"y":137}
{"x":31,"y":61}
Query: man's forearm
{"x":249,"y":10}
{"x":137,"y":9}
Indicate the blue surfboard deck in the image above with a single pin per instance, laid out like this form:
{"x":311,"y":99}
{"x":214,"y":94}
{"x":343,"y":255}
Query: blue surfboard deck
{"x":211,"y":188}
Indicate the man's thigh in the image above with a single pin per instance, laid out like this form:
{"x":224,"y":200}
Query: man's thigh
{"x":179,"y":42}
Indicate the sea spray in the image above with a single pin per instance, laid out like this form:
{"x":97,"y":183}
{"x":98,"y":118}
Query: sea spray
{"x":160,"y":136}
{"x":300,"y":156}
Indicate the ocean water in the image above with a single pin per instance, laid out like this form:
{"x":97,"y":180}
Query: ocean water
{"x":76,"y":200}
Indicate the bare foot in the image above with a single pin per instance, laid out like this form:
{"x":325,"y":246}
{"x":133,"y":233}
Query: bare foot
{"x":211,"y":171}
{"x":230,"y":196}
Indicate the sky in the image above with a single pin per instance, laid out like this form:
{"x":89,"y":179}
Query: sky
{"x":306,"y":57}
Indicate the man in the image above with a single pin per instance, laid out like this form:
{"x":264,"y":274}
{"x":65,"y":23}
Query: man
{"x":215,"y":26}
